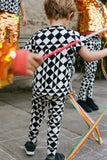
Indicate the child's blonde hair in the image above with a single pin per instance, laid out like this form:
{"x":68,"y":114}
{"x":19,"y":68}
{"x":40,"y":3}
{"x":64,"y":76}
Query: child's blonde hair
{"x":56,"y":9}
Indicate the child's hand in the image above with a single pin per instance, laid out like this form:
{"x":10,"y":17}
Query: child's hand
{"x":34,"y":60}
{"x":26,"y":62}
{"x":24,"y":21}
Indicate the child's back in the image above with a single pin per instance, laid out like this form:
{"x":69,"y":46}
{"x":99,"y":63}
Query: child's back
{"x":53,"y":77}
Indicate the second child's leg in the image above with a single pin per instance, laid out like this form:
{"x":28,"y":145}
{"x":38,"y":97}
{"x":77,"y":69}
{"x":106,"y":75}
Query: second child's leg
{"x":39,"y":105}
{"x":87,"y":83}
{"x":55,"y":113}
{"x":14,"y":28}
{"x":3,"y":26}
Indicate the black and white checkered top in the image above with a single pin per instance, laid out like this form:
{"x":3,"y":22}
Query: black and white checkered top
{"x":12,"y":6}
{"x":53,"y":76}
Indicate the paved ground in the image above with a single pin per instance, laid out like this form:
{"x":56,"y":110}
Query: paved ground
{"x":15,"y":106}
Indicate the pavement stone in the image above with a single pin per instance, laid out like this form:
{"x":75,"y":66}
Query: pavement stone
{"x":15,"y":107}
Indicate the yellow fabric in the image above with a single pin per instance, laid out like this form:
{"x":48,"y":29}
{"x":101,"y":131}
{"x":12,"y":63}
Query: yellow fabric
{"x":91,"y":17}
{"x":9,"y":23}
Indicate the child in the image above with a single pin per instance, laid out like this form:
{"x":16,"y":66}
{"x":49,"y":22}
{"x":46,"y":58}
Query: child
{"x":92,"y":15}
{"x":51,"y":80}
{"x":9,"y":19}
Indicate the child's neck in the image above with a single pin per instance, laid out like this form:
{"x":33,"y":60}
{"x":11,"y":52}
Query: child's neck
{"x":64,"y":22}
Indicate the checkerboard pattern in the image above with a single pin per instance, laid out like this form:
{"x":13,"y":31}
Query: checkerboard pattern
{"x":87,"y":83}
{"x":54,"y":75}
{"x":10,"y":6}
{"x":55,"y":107}
{"x":51,"y":81}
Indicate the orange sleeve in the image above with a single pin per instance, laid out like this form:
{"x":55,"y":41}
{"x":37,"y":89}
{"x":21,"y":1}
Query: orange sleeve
{"x":20,"y":62}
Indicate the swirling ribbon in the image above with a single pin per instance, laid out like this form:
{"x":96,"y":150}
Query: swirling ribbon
{"x":103,"y":69}
{"x":91,"y":125}
{"x":102,"y":66}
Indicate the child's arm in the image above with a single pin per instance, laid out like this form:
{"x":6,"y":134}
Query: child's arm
{"x":26,"y":62}
{"x":23,"y":11}
{"x":92,"y":56}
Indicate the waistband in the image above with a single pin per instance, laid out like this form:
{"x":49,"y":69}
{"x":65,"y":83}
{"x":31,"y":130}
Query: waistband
{"x":90,"y":32}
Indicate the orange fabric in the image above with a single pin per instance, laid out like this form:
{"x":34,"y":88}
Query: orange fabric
{"x":9,"y":22}
{"x":12,"y":62}
{"x":91,"y":18}
{"x":7,"y":54}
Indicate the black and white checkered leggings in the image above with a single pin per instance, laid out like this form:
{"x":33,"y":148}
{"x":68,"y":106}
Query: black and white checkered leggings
{"x":55,"y":111}
{"x":86,"y":89}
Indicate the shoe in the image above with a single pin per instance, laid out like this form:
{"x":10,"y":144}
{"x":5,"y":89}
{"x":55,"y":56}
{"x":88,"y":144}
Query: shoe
{"x":58,"y":156}
{"x":30,"y":148}
{"x":84,"y":105}
{"x":91,"y":104}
